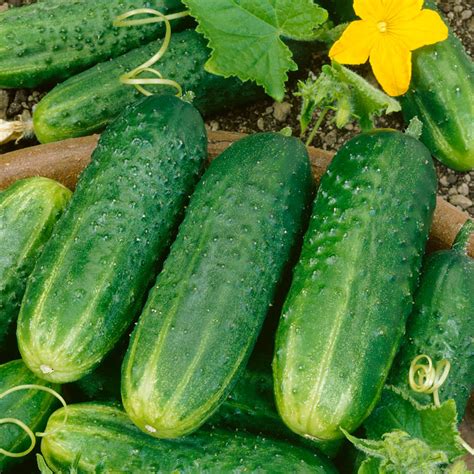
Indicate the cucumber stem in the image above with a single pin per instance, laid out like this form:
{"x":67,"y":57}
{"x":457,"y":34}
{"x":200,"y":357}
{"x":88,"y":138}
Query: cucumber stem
{"x":461,"y":242}
{"x":15,"y":131}
{"x":316,"y":126}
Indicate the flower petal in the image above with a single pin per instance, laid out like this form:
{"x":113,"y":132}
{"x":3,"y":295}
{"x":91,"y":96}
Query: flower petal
{"x":386,"y":10}
{"x":426,"y":28}
{"x":391,"y":63}
{"x":354,"y":46}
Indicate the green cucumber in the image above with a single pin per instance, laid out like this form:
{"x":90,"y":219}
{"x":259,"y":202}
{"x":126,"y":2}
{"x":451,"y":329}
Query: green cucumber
{"x":441,"y":323}
{"x":52,"y":40}
{"x":32,"y":407}
{"x":206,"y":309}
{"x":101,"y":438}
{"x":92,"y":277}
{"x":29,"y":210}
{"x":440,"y":95}
{"x":89,"y":101}
{"x":352,"y":289}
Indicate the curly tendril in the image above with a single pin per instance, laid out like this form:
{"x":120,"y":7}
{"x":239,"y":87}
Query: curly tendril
{"x":25,"y":427}
{"x":426,"y":378}
{"x":132,"y":77}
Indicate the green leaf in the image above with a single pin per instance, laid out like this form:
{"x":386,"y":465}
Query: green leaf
{"x":348,"y":94}
{"x":435,"y":426}
{"x":398,"y":452}
{"x":245,"y":37}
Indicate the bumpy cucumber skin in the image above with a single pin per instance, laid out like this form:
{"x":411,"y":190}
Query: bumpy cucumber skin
{"x":92,"y":277}
{"x":29,"y":210}
{"x":352,"y":289}
{"x":440,"y":95}
{"x":204,"y":313}
{"x":441,"y":326}
{"x":48,"y":42}
{"x":103,"y":438}
{"x":33,"y":407}
{"x":87,"y":102}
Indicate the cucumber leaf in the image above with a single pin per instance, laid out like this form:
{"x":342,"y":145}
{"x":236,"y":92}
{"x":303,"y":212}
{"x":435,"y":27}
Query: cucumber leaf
{"x":245,"y":37}
{"x":348,"y":94}
{"x":398,"y":452}
{"x":435,"y":426}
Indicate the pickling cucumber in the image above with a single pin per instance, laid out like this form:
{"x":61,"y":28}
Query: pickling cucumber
{"x":52,"y":40}
{"x":101,"y":438}
{"x":352,"y":289}
{"x":440,"y":92}
{"x":32,"y":407}
{"x":86,"y":103}
{"x":440,"y":95}
{"x":29,"y":209}
{"x":441,"y":324}
{"x":206,"y":309}
{"x":91,"y":280}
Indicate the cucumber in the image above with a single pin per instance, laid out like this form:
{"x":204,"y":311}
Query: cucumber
{"x":89,"y":101}
{"x":52,"y":40}
{"x":352,"y":289}
{"x":206,"y":309}
{"x":441,"y":323}
{"x":442,"y":83}
{"x":441,"y":86}
{"x":102,"y":438}
{"x":29,"y":210}
{"x":92,"y":277}
{"x":32,"y":407}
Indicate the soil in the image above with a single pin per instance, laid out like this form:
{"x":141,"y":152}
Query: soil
{"x":457,"y":188}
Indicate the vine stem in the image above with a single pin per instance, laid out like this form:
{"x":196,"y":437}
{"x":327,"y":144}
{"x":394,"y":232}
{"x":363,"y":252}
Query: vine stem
{"x":318,"y":123}
{"x":15,"y":131}
{"x":132,"y":77}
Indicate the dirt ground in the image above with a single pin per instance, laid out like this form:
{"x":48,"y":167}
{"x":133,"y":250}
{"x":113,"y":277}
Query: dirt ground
{"x":457,"y":188}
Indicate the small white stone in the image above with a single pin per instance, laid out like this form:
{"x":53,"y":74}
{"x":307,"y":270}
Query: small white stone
{"x":460,"y":201}
{"x":281,"y":110}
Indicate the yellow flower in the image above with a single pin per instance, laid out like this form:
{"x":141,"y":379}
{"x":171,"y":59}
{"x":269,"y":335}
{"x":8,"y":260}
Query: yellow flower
{"x":387,"y":33}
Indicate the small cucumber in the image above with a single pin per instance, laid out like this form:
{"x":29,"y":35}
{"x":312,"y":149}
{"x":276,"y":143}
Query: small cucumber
{"x":32,"y":407}
{"x":86,"y":103}
{"x":52,"y":40}
{"x":92,"y":277}
{"x":101,"y":438}
{"x":440,"y":95}
{"x":29,"y":210}
{"x":352,"y":289}
{"x":441,"y":323}
{"x":206,"y":309}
